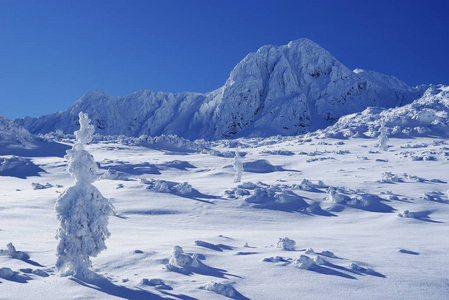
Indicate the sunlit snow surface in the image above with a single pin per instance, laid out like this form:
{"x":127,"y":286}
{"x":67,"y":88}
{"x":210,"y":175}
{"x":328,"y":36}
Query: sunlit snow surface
{"x":353,"y":237}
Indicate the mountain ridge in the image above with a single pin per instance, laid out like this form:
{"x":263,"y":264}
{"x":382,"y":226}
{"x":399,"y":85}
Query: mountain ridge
{"x":287,"y":90}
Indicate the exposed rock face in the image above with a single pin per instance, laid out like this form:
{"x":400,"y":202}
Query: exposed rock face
{"x":284,"y":90}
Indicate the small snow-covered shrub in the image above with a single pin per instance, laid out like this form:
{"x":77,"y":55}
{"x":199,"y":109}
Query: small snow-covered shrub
{"x":306,"y":185}
{"x":152,"y":282}
{"x":286,"y":244}
{"x":158,"y":283}
{"x":238,"y":167}
{"x":157,"y":185}
{"x":355,"y":267}
{"x":241,"y":192}
{"x":278,"y":152}
{"x":163,"y":186}
{"x":248,"y":185}
{"x":225,"y":289}
{"x":183,"y":188}
{"x":13,"y":253}
{"x":336,"y":197}
{"x":181,"y":260}
{"x":407,"y":214}
{"x":112,"y":174}
{"x":328,"y":254}
{"x":260,"y":195}
{"x":413,"y":178}
{"x":433,"y":196}
{"x":263,"y":195}
{"x":319,"y":260}
{"x":40,"y":272}
{"x":274,"y":259}
{"x":38,"y":186}
{"x":321,"y":184}
{"x":383,"y":138}
{"x":388,"y":177}
{"x":304,"y":262}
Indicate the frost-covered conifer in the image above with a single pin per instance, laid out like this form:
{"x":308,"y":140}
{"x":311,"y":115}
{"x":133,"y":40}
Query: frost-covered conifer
{"x":82,"y":211}
{"x":238,"y":167}
{"x":383,"y":138}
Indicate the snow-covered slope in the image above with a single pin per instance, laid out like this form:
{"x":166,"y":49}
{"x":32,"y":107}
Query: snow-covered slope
{"x":428,"y":115}
{"x":285,"y":90}
{"x":16,"y":140}
{"x":11,"y":133}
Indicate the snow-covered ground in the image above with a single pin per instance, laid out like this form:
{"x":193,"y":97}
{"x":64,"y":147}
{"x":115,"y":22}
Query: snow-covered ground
{"x":367,"y":224}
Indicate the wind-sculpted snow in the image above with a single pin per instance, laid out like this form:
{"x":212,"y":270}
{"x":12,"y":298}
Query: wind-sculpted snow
{"x":286,"y":90}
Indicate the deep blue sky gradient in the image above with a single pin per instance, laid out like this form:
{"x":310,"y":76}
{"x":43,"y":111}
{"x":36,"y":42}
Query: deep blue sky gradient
{"x":54,"y":51}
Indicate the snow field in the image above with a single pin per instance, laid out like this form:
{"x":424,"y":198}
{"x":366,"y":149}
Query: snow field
{"x":148,"y":224}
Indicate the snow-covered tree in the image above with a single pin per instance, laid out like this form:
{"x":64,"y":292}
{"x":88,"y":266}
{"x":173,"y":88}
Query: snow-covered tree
{"x":382,"y":140}
{"x":238,"y":167}
{"x":82,"y":211}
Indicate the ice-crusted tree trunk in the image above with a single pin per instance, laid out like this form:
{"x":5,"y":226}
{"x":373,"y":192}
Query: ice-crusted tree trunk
{"x":238,"y":167}
{"x":382,"y":140}
{"x":81,"y":210}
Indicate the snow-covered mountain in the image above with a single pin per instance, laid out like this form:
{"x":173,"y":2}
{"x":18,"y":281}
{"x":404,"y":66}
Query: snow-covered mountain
{"x":285,"y":90}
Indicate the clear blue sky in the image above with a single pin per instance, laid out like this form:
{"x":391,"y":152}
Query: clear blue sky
{"x":54,"y":51}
